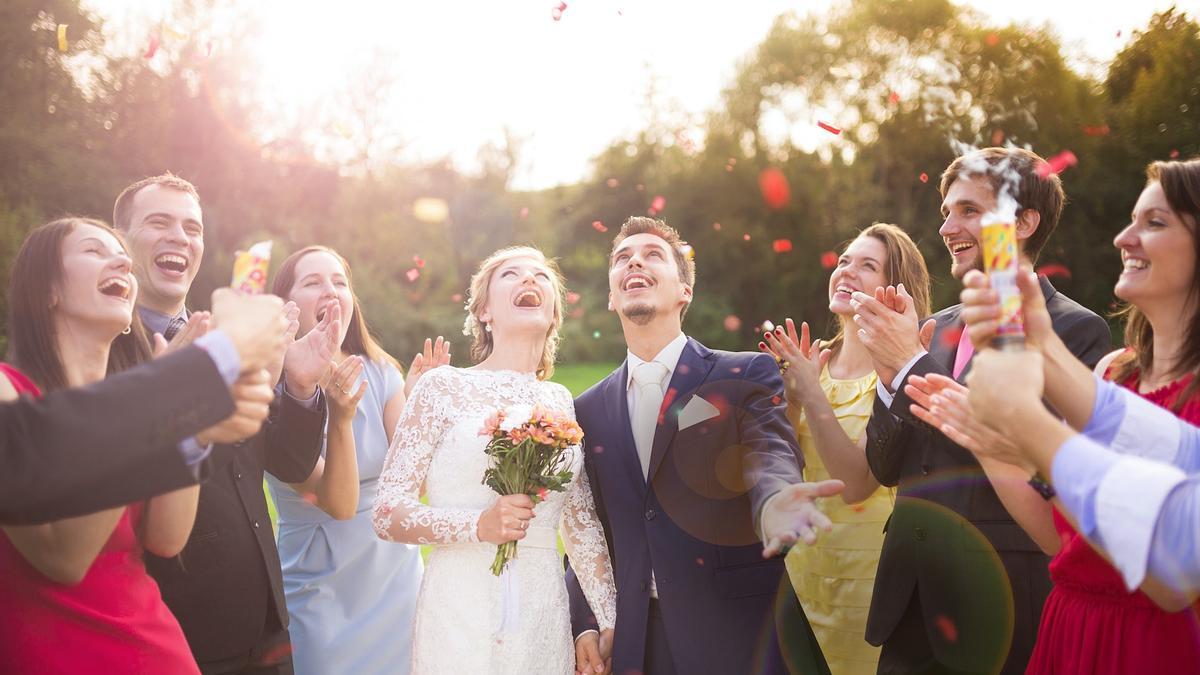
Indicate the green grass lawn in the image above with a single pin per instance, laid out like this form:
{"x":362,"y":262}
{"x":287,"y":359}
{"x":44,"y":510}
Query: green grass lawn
{"x":577,"y":377}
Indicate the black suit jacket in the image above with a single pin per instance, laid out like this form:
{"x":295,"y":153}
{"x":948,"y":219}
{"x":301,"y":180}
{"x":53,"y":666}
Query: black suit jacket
{"x":950,"y":540}
{"x":137,"y":455}
{"x":226,"y":587}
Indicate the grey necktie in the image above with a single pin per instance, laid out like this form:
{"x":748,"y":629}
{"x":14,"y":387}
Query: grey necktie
{"x":648,"y":381}
{"x":174,"y":327}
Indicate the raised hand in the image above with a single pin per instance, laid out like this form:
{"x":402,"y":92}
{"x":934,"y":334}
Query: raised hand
{"x":941,"y":402}
{"x":254,"y":323}
{"x":252,"y":396}
{"x":307,"y":359}
{"x":506,"y":520}
{"x":803,"y":357}
{"x":891,"y":335}
{"x":198,"y":323}
{"x":792,"y":514}
{"x":340,"y":392}
{"x":435,"y":355}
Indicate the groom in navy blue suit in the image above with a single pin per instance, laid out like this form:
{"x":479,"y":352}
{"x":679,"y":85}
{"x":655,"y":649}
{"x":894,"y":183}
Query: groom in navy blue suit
{"x":693,"y":466}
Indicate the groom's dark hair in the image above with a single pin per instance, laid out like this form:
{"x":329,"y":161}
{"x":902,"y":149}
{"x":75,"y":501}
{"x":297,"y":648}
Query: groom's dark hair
{"x":679,"y":248}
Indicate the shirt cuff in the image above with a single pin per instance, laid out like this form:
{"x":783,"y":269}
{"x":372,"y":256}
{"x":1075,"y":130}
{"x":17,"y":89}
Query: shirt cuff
{"x":1128,"y":503}
{"x":888,"y":396}
{"x":1147,"y":430}
{"x":310,"y":403}
{"x":590,"y":630}
{"x":193,"y":453}
{"x":1078,"y":468}
{"x":221,"y":350}
{"x":762,"y":534}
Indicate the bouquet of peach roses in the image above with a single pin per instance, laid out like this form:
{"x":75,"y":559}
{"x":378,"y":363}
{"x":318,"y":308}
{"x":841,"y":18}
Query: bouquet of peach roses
{"x":529,"y":456}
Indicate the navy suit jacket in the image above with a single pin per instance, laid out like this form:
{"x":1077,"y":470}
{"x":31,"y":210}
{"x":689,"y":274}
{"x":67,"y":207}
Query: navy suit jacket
{"x":695,"y":523}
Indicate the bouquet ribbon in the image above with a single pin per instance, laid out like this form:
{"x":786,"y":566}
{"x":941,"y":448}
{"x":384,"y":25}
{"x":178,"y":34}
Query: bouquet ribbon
{"x":510,"y":594}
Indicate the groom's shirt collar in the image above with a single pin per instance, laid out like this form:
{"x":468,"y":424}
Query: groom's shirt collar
{"x":669,"y":357}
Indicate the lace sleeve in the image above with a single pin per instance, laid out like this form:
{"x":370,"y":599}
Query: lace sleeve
{"x":583,"y":539}
{"x":399,"y":514}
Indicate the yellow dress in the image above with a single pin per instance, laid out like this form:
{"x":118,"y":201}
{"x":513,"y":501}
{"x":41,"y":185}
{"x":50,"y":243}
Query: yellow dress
{"x":834,"y":578}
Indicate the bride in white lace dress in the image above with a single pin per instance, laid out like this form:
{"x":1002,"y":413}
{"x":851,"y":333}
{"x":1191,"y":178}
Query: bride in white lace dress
{"x":515,"y":311}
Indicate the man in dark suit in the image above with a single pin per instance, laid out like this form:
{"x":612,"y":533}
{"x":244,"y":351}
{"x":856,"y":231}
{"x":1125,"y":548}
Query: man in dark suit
{"x":226,"y":587}
{"x":693,"y":465}
{"x":960,"y":584}
{"x":184,"y":394}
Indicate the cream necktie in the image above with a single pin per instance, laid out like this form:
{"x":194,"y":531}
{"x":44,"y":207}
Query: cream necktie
{"x":647,"y":399}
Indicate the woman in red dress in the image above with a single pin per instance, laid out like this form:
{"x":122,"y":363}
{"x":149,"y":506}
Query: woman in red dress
{"x":75,"y":597}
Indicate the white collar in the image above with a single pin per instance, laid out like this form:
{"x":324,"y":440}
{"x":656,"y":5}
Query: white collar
{"x":669,"y":357}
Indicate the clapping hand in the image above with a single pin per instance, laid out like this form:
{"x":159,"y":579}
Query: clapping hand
{"x":307,"y":359}
{"x":800,"y":359}
{"x":340,"y":392}
{"x":435,"y":355}
{"x":942,"y":403}
{"x":887,"y":326}
{"x":198,"y":323}
{"x":792,"y":514}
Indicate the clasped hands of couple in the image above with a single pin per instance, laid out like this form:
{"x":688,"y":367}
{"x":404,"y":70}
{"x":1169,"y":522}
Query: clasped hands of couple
{"x":262,"y":328}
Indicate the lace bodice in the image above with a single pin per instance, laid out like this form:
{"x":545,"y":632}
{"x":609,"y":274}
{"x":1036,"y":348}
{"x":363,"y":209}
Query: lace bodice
{"x":437,"y":452}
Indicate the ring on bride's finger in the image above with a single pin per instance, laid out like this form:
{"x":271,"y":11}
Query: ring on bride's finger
{"x":784,"y":364}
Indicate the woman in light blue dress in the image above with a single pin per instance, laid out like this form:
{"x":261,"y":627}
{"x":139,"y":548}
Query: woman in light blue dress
{"x":350,"y":595}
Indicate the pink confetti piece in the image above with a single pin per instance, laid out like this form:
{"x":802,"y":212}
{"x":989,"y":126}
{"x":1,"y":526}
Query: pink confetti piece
{"x":998,"y":137}
{"x":830,"y":128}
{"x":557,"y":12}
{"x":152,"y":48}
{"x":950,"y":337}
{"x":524,"y":213}
{"x":1057,"y":164}
{"x":1054,"y":270}
{"x":700,"y":562}
{"x":893,"y":98}
{"x":829,"y":260}
{"x":612,"y":182}
{"x":658,"y":203}
{"x":412,"y":274}
{"x":745,"y":237}
{"x":1174,"y":154}
{"x":457,"y":297}
{"x":572,"y":297}
{"x":924,"y":177}
{"x":717,"y":227}
{"x":733,"y":323}
{"x":782,"y":245}
{"x":418,"y":261}
{"x":774,"y":187}
{"x":992,"y":39}
{"x":599,"y":226}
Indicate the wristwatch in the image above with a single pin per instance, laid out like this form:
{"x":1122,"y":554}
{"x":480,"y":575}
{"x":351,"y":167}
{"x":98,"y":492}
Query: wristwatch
{"x":1043,"y":488}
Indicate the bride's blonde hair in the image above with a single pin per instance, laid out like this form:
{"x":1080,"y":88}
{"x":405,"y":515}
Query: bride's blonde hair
{"x":477,"y":294}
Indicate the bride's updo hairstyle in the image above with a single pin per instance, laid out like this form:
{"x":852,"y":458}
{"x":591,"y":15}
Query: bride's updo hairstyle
{"x":477,"y":294}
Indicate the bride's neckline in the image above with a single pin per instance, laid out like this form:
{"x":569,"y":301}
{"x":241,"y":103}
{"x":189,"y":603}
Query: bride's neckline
{"x":498,"y":371}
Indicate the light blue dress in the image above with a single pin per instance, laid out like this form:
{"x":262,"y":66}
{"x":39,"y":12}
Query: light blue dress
{"x":351,"y":596}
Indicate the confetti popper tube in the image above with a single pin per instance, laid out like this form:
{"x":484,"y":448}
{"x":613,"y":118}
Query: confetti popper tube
{"x":1002,"y":264}
{"x":250,"y":268}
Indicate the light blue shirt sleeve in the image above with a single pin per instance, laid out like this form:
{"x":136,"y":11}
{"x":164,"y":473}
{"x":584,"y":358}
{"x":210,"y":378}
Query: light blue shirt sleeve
{"x":1130,"y":425}
{"x":1107,"y":411}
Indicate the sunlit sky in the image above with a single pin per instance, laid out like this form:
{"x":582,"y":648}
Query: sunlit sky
{"x":464,"y":71}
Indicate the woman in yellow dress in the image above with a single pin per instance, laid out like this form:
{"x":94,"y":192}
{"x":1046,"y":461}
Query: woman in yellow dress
{"x":830,"y":392}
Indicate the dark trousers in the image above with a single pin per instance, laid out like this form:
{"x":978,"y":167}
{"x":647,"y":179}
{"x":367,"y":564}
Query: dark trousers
{"x":907,"y":650}
{"x":658,"y":652}
{"x":272,"y":656}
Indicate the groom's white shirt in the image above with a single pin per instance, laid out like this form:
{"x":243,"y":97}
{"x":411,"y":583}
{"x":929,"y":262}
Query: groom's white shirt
{"x":669,"y":358}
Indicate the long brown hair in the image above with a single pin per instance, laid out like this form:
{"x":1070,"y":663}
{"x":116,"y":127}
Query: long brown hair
{"x":37,"y":272}
{"x":905,"y":265}
{"x":1180,"y":182}
{"x":358,"y":337}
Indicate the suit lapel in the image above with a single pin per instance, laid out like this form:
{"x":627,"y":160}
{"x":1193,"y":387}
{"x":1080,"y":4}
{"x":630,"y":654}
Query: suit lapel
{"x":616,"y":404}
{"x":695,"y":362}
{"x":944,"y":346}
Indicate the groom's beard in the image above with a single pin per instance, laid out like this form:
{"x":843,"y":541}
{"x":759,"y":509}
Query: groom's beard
{"x":640,"y":313}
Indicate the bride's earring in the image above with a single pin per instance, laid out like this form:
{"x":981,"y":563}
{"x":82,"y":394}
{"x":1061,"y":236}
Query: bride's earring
{"x":487,"y":327}
{"x":128,"y":330}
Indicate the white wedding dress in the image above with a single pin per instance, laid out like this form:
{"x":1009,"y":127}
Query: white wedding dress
{"x":437,"y":451}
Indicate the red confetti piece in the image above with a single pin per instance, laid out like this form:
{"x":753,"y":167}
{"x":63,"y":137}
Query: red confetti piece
{"x":524,"y":212}
{"x":412,"y":274}
{"x":830,"y":128}
{"x":924,"y":177}
{"x":152,"y":48}
{"x":717,"y":227}
{"x":950,"y":337}
{"x":782,"y":245}
{"x":700,"y":562}
{"x":776,"y":400}
{"x":732,"y":323}
{"x":946,"y":625}
{"x":572,"y":297}
{"x":599,"y":226}
{"x":275,"y":654}
{"x":893,"y":98}
{"x":992,"y":39}
{"x":418,"y":261}
{"x":745,"y":237}
{"x":311,"y":498}
{"x":612,"y":182}
{"x":774,"y":187}
{"x":658,"y":203}
{"x":1096,"y":130}
{"x":1057,"y":164}
{"x":457,"y":297}
{"x":557,"y":12}
{"x":997,"y":136}
{"x":1174,"y":154}
{"x":1054,"y":270}
{"x":666,"y":404}
{"x":829,"y":260}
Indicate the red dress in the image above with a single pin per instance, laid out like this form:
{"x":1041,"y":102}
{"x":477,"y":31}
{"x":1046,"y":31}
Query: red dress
{"x":1091,"y":624}
{"x":114,"y":621}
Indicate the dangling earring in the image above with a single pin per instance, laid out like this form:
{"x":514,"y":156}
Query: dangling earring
{"x":487,"y":327}
{"x":128,"y":330}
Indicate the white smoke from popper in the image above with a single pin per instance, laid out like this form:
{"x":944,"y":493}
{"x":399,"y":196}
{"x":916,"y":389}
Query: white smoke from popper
{"x":1006,"y":208}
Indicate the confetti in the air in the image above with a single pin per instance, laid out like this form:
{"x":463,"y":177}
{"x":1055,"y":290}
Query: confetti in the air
{"x":732,"y":323}
{"x":924,"y":177}
{"x":1054,"y":270}
{"x":572,"y":297}
{"x":745,"y":237}
{"x":62,"y":37}
{"x":412,"y":274}
{"x":1057,"y":164}
{"x":1174,"y":154}
{"x":946,"y":625}
{"x":997,"y":137}
{"x":557,"y":12}
{"x":457,"y":297}
{"x":152,"y":48}
{"x":612,"y":182}
{"x":829,"y":260}
{"x":950,"y":337}
{"x":893,"y":98}
{"x":599,"y":226}
{"x":1096,"y":130}
{"x":418,"y":261}
{"x":992,"y":39}
{"x":774,"y":187}
{"x":781,"y":245}
{"x":830,"y":128}
{"x":657,"y":204}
